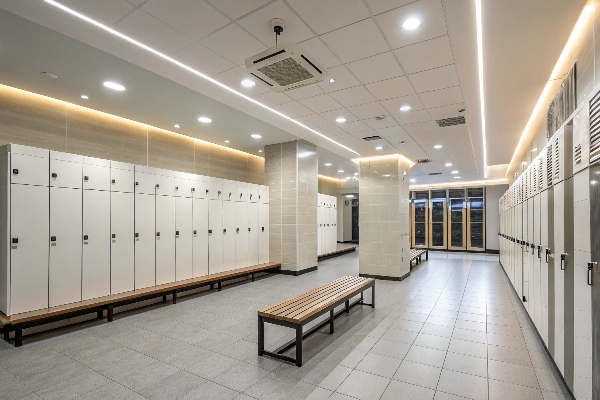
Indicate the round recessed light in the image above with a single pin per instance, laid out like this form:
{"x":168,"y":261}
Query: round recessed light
{"x":248,"y":83}
{"x":454,"y":172}
{"x":350,"y":196}
{"x":83,"y":96}
{"x":260,"y":151}
{"x":437,"y":146}
{"x":177,"y":126}
{"x":328,"y":164}
{"x":341,"y":171}
{"x":348,"y":178}
{"x":114,"y":86}
{"x":204,"y":120}
{"x":332,"y":80}
{"x":227,"y":141}
{"x":411,"y":23}
{"x":457,"y":177}
{"x":340,"y":120}
{"x":448,"y":164}
{"x":413,"y":180}
{"x":405,"y":108}
{"x":255,"y":136}
{"x":356,"y":173}
{"x":387,"y":175}
{"x":379,"y":148}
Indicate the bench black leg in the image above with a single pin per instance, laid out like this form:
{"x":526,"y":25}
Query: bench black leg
{"x":100,"y":314}
{"x":373,"y":294}
{"x":299,"y":346}
{"x":331,"y":318}
{"x":109,"y":313}
{"x":219,"y":286}
{"x":18,"y":335}
{"x":252,"y":277}
{"x":426,"y":255}
{"x":175,"y":296}
{"x":261,"y":336}
{"x":164,"y":298}
{"x":347,"y":306}
{"x":6,"y":331}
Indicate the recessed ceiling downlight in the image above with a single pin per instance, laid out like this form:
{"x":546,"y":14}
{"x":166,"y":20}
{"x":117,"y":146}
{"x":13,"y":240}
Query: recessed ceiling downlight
{"x":457,"y":177}
{"x":177,"y":126}
{"x":255,"y":136}
{"x":454,"y":172}
{"x":437,"y":146}
{"x":204,"y":120}
{"x":413,"y":180}
{"x":411,"y":24}
{"x":227,"y":141}
{"x":248,"y":83}
{"x":448,"y":164}
{"x":332,"y":80}
{"x":341,"y":171}
{"x":405,"y":108}
{"x":83,"y":96}
{"x":114,"y":86}
{"x":340,"y":120}
{"x":379,"y":148}
{"x":328,"y":164}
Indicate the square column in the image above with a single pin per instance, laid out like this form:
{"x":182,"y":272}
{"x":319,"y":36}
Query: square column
{"x":384,"y":217}
{"x":291,"y":173}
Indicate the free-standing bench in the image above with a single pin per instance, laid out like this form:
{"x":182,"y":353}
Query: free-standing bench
{"x":417,"y":254}
{"x":306,"y":307}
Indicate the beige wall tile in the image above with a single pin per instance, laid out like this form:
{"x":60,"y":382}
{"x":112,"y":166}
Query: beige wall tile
{"x":170,"y":151}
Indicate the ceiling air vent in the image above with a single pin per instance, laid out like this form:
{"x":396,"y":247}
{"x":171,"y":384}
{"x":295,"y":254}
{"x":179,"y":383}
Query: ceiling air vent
{"x":369,"y":138}
{"x":379,"y":118}
{"x":450,"y":121}
{"x":435,"y":173}
{"x":423,"y":161}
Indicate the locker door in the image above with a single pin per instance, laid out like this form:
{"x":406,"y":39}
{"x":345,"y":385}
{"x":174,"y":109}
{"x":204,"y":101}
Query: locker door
{"x":332,"y":234}
{"x":263,"y":234}
{"x":122,"y":272}
{"x":66,"y":174}
{"x":121,"y":180}
{"x":253,"y":193}
{"x":263,"y":194}
{"x":229,"y":235}
{"x":29,"y":170}
{"x":253,"y":218}
{"x":200,"y":240}
{"x":215,"y":188}
{"x":29,"y":206}
{"x":228,"y":190}
{"x":215,"y":236}
{"x":319,"y":228}
{"x":95,"y":273}
{"x":241,"y":237}
{"x":201,"y":186}
{"x":183,"y":186}
{"x":536,"y":294}
{"x":528,"y":256}
{"x":64,"y":279}
{"x":559,"y":277}
{"x":165,"y":239}
{"x":96,"y":177}
{"x":324,"y":230}
{"x":165,"y":185}
{"x":183,"y":238}
{"x":241,"y":192}
{"x":519,"y":250}
{"x":145,"y":182}
{"x":145,"y":262}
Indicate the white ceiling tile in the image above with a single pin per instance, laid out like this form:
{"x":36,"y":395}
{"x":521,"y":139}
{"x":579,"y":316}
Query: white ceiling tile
{"x":447,"y":111}
{"x":353,"y":96}
{"x":443,"y":97}
{"x":332,"y":130}
{"x":412,"y":117}
{"x":320,"y":103}
{"x":325,"y":16}
{"x":393,"y":132}
{"x":313,"y":121}
{"x":234,"y":77}
{"x":293,"y":109}
{"x":377,"y":68}
{"x":136,"y":3}
{"x":429,"y":12}
{"x":304,"y":92}
{"x":387,"y":122}
{"x":354,"y":127}
{"x":203,"y":59}
{"x":331,"y":116}
{"x":343,"y":79}
{"x":427,"y":126}
{"x":259,"y":24}
{"x":193,"y":18}
{"x":393,"y":105}
{"x":390,"y":89}
{"x":368,"y":110}
{"x":236,"y":8}
{"x":108,"y":12}
{"x":356,"y":41}
{"x":152,"y":32}
{"x":434,"y":79}
{"x":380,"y":6}
{"x":233,"y":43}
{"x":426,"y":55}
{"x":367,"y":133}
{"x":272,"y":99}
{"x":316,"y":49}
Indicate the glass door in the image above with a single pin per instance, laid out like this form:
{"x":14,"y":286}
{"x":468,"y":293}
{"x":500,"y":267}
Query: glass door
{"x":456,"y":225}
{"x":476,"y":224}
{"x":437,"y":224}
{"x":419,"y":223}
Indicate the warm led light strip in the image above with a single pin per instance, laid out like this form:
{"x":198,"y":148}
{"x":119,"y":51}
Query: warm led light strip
{"x":484,"y":182}
{"x":565,"y":56}
{"x":481,"y":96}
{"x":190,"y":69}
{"x":358,"y":160}
{"x":329,"y":177}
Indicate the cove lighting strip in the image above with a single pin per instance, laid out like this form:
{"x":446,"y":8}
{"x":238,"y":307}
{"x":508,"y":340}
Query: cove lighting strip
{"x":480,"y":65}
{"x":484,"y":182}
{"x":358,"y":160}
{"x":565,"y":57}
{"x":188,"y":68}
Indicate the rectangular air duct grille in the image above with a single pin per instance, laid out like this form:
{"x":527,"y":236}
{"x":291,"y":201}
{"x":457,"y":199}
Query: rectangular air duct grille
{"x":423,"y":161}
{"x":595,"y":128}
{"x":450,"y":121}
{"x":369,"y":138}
{"x":286,"y":72}
{"x":556,"y":160}
{"x":577,"y":154}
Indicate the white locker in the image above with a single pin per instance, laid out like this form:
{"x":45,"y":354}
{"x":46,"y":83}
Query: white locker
{"x":121,"y":177}
{"x":201,"y":187}
{"x":253,"y":193}
{"x":200,"y":240}
{"x":324,"y":231}
{"x":29,"y":170}
{"x":332,"y":229}
{"x":184,"y":183}
{"x":263,"y":194}
{"x":165,"y":183}
{"x":319,"y":227}
{"x":96,"y":173}
{"x":64,"y":277}
{"x":241,"y":192}
{"x":183,"y":237}
{"x":65,"y":170}
{"x":95,"y":270}
{"x":145,"y":244}
{"x":145,"y":180}
{"x":29,"y":207}
{"x":241,"y":235}
{"x":229,"y":188}
{"x":536,"y":293}
{"x":253,"y":235}
{"x":122,"y":272}
{"x":215,"y":188}
{"x":229,"y":235}
{"x":215,"y":236}
{"x":559,"y":276}
{"x":165,"y":239}
{"x":263,"y":233}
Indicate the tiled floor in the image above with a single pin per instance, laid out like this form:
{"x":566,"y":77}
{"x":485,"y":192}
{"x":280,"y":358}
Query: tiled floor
{"x":453,"y":330}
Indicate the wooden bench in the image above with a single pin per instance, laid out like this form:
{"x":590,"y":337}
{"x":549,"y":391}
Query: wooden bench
{"x":306,"y":307}
{"x":18,"y":322}
{"x":417,"y":254}
{"x":336,"y":253}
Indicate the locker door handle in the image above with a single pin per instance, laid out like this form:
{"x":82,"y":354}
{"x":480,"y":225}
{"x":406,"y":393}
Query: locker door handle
{"x":532,"y":248}
{"x":250,"y":196}
{"x":210,"y":231}
{"x":53,"y":238}
{"x":54,"y":175}
{"x":177,"y":233}
{"x":137,"y":184}
{"x":263,"y":228}
{"x":157,"y":234}
{"x":230,"y":195}
{"x":85,"y":237}
{"x":85,"y":179}
{"x":193,"y":189}
{"x":563,"y":261}
{"x":249,"y":229}
{"x":114,"y":235}
{"x":15,"y":240}
{"x":113,"y":181}
{"x":539,"y":249}
{"x":157,"y":185}
{"x":206,"y":191}
{"x":224,"y":230}
{"x":176,"y":187}
{"x":15,"y":171}
{"x":218,"y":194}
{"x":259,"y":196}
{"x":237,"y":230}
{"x":137,"y":235}
{"x":590,"y":266}
{"x":195,"y":231}
{"x":241,"y":195}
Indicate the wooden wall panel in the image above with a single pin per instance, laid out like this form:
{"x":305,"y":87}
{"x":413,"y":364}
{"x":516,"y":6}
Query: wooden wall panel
{"x":31,"y":120}
{"x":95,"y":134}
{"x":170,"y":151}
{"x":256,"y":170}
{"x":202,"y":158}
{"x":228,"y":164}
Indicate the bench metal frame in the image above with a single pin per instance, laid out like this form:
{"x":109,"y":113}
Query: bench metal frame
{"x":300,"y":335}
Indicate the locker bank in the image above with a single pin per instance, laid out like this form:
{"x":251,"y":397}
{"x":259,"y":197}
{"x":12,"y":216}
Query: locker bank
{"x":299,"y":199}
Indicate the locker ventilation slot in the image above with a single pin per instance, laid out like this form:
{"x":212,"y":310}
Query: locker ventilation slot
{"x":595,"y":128}
{"x":556,"y":160}
{"x":577,"y":154}
{"x":540,"y":175}
{"x":549,"y":165}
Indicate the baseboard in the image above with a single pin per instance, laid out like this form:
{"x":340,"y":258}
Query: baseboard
{"x":492,"y":251}
{"x":336,"y":253}
{"x":298,"y":273}
{"x":386,"y":278}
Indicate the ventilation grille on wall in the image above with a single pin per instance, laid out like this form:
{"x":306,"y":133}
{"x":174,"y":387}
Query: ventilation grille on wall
{"x":369,"y":138}
{"x":577,"y":154}
{"x":534,"y":186}
{"x":549,"y":175}
{"x":556,"y":160}
{"x":595,"y":128}
{"x":423,"y":161}
{"x":540,"y":173}
{"x":450,"y":121}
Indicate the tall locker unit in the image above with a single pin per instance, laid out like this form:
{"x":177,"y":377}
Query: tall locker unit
{"x":215,"y":226}
{"x":165,"y":227}
{"x":319,"y":223}
{"x":242,"y":234}
{"x":475,"y":219}
{"x":122,"y":273}
{"x":95,"y":269}
{"x":420,"y":222}
{"x":253,"y":225}
{"x":535,"y":295}
{"x":263,"y":223}
{"x":229,"y":225}
{"x":145,"y":227}
{"x":25,"y":203}
{"x":332,"y":231}
{"x":456,"y":220}
{"x":546,"y":227}
{"x":200,"y":217}
{"x":519,"y":244}
{"x":184,"y":236}
{"x":64,"y":277}
{"x":527,"y":237}
{"x":437,"y":219}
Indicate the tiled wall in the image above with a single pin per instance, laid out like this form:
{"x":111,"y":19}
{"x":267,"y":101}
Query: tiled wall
{"x":328,"y":186}
{"x":384,"y":219}
{"x":39,"y":121}
{"x":291,"y":174}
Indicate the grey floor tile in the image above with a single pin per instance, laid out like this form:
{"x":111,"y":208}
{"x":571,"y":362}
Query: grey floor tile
{"x":447,"y":396}
{"x":335,"y":378}
{"x":512,"y":373}
{"x":432,"y":341}
{"x":379,"y":365}
{"x":275,"y":387}
{"x":211,"y":391}
{"x":466,"y":364}
{"x":319,"y":394}
{"x":212,"y":366}
{"x":469,"y":336}
{"x":111,"y":390}
{"x":391,"y":349}
{"x":418,"y":374}
{"x":427,"y":356}
{"x":173,"y":387}
{"x":353,"y":358}
{"x":241,"y":376}
{"x":146,"y":376}
{"x":74,"y":387}
{"x":509,"y":354}
{"x":406,"y":391}
{"x":437,"y":330}
{"x":465,"y":385}
{"x":363,"y":386}
{"x":549,"y":380}
{"x":503,"y":390}
{"x":474,"y":349}
{"x":506,"y":341}
{"x":399,"y":335}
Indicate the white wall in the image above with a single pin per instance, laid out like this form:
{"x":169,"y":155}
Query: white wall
{"x":492,"y":219}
